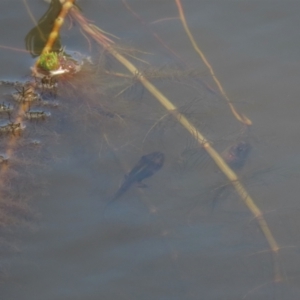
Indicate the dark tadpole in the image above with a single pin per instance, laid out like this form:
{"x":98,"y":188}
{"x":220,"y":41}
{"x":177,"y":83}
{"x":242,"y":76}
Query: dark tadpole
{"x":147,"y":166}
{"x":236,"y":155}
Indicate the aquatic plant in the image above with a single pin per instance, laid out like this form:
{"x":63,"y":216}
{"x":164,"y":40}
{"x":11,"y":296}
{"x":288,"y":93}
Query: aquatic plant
{"x":49,"y":61}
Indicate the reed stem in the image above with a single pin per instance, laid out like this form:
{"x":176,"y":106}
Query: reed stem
{"x":67,"y":5}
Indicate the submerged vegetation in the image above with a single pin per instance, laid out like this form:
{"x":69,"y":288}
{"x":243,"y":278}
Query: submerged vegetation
{"x":103,"y":97}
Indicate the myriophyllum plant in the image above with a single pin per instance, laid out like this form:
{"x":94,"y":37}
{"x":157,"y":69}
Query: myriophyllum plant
{"x":49,"y":61}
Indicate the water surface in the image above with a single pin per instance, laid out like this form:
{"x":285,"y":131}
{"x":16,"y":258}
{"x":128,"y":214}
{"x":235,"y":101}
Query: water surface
{"x":164,"y":241}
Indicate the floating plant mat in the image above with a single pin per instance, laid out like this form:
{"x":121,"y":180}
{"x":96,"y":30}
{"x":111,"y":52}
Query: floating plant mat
{"x":117,"y":107}
{"x":22,"y":152}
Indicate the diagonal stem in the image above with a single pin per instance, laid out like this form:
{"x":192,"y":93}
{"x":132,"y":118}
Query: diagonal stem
{"x":241,"y":117}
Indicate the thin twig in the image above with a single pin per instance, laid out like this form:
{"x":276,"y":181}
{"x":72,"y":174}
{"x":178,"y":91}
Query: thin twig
{"x":241,"y":117}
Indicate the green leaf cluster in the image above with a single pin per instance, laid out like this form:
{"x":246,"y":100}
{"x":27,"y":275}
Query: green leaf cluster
{"x":49,"y":61}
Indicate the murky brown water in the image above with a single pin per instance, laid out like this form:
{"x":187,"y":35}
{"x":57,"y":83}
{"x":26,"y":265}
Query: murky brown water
{"x":184,"y":236}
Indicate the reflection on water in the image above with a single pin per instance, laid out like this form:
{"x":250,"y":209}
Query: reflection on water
{"x":163,"y":241}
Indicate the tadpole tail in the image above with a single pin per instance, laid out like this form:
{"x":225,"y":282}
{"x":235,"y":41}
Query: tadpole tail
{"x":124,"y":187}
{"x":216,"y":198}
